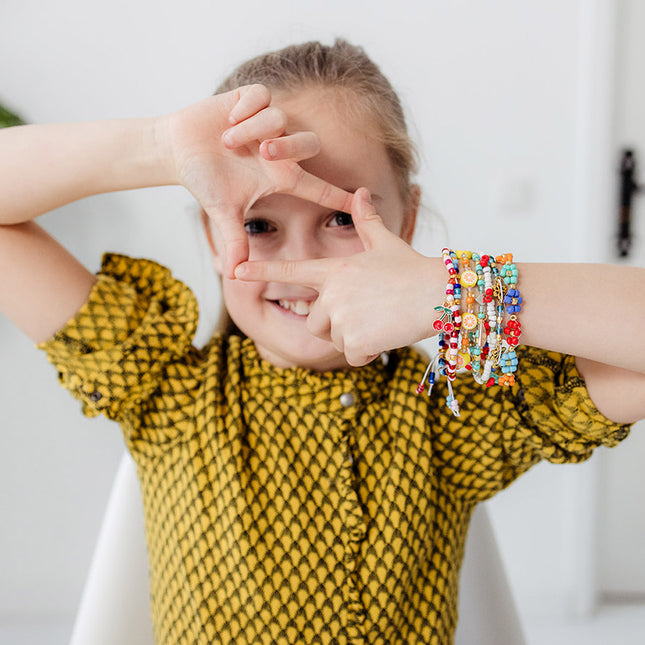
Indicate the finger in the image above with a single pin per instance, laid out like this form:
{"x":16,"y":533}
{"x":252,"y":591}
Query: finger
{"x":358,"y":360}
{"x":337,"y":340}
{"x":252,"y":99}
{"x":368,"y":224}
{"x":266,"y":124}
{"x":234,"y":238}
{"x":356,"y":353}
{"x":317,"y":190}
{"x":318,"y":322}
{"x":297,"y":146}
{"x":308,"y":273}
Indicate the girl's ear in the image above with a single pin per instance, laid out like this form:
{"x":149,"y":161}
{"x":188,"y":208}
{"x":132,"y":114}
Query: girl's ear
{"x":215,"y":255}
{"x":410,"y":215}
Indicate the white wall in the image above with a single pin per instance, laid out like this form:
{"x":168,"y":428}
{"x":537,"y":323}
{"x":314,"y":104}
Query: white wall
{"x":495,"y":89}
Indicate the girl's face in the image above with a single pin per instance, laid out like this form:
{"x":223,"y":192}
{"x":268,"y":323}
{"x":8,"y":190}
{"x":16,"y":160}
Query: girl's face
{"x":282,"y":227}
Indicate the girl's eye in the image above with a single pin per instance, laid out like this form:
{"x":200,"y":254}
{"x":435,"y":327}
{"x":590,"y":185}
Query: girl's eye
{"x":258,"y":227}
{"x":341,"y":219}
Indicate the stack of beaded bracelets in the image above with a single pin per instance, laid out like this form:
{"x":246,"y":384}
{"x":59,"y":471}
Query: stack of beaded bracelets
{"x":482,"y":290}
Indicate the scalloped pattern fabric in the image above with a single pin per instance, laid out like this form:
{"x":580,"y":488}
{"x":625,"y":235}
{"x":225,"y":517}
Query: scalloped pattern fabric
{"x":286,"y":506}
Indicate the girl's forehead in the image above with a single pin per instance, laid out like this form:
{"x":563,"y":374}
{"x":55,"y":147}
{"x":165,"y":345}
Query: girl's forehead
{"x":340,"y":108}
{"x":352,"y":153}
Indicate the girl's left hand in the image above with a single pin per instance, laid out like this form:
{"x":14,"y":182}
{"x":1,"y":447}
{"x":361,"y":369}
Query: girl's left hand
{"x":374,"y":301}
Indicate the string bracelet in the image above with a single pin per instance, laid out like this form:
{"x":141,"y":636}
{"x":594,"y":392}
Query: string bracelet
{"x":478,"y":322}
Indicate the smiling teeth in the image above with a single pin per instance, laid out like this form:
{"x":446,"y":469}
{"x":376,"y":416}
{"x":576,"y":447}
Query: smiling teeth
{"x":300,"y":307}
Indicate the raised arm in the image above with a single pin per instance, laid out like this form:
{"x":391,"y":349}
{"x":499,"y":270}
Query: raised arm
{"x":384,"y":298}
{"x":43,"y":167}
{"x":594,"y":312}
{"x":212,"y":148}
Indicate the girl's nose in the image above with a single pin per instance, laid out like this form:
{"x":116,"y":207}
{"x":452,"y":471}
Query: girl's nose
{"x":302,"y":246}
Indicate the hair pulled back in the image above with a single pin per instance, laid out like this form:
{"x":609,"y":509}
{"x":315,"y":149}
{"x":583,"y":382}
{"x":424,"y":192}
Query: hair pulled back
{"x":341,"y":66}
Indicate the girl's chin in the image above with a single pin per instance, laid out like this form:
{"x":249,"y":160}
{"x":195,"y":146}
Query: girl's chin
{"x":324,"y":360}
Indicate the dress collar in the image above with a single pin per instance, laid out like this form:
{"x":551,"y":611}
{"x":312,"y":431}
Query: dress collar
{"x":367,"y":381}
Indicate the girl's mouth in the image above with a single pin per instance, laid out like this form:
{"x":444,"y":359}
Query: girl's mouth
{"x":298,"y":307}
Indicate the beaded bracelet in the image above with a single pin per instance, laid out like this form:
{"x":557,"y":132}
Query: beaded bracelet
{"x":478,"y":341}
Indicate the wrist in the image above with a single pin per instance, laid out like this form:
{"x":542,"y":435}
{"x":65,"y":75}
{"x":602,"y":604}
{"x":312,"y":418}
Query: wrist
{"x":154,"y":154}
{"x":434,"y":282}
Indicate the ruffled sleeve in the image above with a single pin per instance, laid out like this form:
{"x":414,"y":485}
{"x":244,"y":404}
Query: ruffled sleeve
{"x":502,"y":432}
{"x":114,"y":353}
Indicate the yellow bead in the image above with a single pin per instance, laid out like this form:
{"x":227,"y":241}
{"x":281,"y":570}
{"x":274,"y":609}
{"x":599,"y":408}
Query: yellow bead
{"x":469,"y":321}
{"x":468,"y":279}
{"x":463,"y":358}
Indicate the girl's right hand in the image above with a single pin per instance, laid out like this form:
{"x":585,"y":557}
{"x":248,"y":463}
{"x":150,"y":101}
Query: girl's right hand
{"x":232,"y":149}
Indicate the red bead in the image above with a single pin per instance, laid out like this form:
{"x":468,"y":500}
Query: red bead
{"x":490,"y":382}
{"x":513,"y":340}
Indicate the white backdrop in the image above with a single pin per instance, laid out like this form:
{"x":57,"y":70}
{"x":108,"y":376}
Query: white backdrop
{"x":495,"y":91}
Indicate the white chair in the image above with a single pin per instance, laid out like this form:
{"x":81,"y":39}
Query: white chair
{"x":115,"y":606}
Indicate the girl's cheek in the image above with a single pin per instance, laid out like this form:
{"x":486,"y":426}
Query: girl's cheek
{"x":346,"y":247}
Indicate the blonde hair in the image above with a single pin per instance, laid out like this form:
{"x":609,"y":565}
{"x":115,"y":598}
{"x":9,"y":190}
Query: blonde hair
{"x":341,"y":66}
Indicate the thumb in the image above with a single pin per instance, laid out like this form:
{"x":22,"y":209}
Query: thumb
{"x":367,"y":222}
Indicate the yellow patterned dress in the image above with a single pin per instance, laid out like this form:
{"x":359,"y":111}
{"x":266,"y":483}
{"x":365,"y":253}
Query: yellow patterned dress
{"x":288,"y":506}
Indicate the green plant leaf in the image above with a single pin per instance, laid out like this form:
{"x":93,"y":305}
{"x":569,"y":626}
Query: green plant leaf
{"x":8,"y":118}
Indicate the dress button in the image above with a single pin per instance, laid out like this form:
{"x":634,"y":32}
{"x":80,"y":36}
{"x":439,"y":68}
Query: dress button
{"x":347,"y":399}
{"x":96,"y":396}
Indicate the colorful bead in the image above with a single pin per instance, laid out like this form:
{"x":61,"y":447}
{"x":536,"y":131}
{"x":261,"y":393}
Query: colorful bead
{"x":482,"y":341}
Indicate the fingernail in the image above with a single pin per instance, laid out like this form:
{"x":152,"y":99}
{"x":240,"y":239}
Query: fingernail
{"x":271,"y":149}
{"x":240,"y":271}
{"x":367,"y":196}
{"x":227,"y":138}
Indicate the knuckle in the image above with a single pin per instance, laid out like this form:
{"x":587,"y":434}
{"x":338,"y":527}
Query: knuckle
{"x":325,"y":192}
{"x":278,"y":118}
{"x":288,"y":268}
{"x":313,"y":143}
{"x":260,"y":92}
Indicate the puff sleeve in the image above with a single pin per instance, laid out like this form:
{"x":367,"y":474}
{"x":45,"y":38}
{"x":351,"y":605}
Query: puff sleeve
{"x":502,"y":432}
{"x":137,"y":321}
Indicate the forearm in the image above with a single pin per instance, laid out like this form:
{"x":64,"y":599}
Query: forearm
{"x":43,"y":167}
{"x":591,"y":311}
{"x":594,"y":312}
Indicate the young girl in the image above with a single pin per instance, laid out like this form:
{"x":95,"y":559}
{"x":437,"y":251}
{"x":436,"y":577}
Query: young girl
{"x":291,"y":496}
